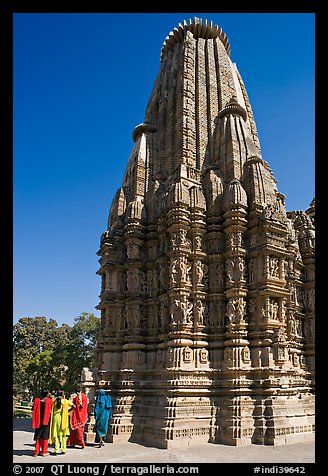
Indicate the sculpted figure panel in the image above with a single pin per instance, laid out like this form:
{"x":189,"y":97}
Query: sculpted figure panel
{"x":236,"y":310}
{"x":132,"y":279}
{"x":235,"y":269}
{"x":181,"y":311}
{"x":179,"y":270}
{"x":199,"y":312}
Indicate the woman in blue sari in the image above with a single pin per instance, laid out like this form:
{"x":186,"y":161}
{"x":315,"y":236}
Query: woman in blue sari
{"x":103,"y":413}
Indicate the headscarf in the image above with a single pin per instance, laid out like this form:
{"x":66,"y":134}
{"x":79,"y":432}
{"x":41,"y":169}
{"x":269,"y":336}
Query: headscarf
{"x":64,"y":420}
{"x":103,"y":412}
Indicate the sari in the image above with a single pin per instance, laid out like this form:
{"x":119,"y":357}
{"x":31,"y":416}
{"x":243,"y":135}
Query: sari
{"x":41,"y":422}
{"x":103,"y":413}
{"x":59,"y":428}
{"x":78,"y":418}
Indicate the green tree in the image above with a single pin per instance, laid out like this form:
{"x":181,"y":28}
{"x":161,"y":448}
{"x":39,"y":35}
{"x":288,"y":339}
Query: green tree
{"x":34,"y":342}
{"x":45,"y":355}
{"x":81,"y":351}
{"x":86,"y":327}
{"x":44,"y":372}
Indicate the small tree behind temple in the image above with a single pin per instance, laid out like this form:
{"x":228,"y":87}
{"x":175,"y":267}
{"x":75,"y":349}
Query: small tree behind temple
{"x":45,"y":355}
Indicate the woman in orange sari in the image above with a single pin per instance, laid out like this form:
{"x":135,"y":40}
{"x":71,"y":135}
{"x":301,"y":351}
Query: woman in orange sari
{"x":78,"y":418}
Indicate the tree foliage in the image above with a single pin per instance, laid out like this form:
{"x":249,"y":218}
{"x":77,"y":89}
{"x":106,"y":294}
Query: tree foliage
{"x":52,"y":356}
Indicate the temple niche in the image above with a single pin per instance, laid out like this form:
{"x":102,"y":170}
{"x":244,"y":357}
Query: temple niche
{"x":207,"y":295}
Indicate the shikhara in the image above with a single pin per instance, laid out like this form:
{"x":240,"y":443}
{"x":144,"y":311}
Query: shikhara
{"x":207,"y":292}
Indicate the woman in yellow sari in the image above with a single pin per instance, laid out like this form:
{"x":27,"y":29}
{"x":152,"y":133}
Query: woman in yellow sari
{"x":59,"y":428}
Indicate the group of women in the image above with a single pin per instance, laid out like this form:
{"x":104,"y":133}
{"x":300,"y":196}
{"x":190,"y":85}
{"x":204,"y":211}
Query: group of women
{"x":59,"y":421}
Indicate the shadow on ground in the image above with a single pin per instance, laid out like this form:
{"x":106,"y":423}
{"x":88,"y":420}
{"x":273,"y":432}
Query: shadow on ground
{"x":22,"y":424}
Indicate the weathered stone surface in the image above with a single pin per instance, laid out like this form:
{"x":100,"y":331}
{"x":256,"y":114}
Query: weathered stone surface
{"x":207,"y":296}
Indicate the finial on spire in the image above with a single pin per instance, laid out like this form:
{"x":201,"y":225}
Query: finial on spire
{"x":233,"y":107}
{"x":199,"y":28}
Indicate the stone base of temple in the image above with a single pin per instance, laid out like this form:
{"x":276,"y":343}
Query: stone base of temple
{"x":172,"y":409}
{"x":285,"y":419}
{"x":291,"y":438}
{"x":278,"y":421}
{"x":89,"y":435}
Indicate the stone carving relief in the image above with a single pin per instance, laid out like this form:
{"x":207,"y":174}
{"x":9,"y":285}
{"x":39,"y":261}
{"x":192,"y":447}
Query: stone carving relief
{"x":273,"y":266}
{"x":221,"y":310}
{"x":181,"y":311}
{"x":235,"y":239}
{"x":121,"y":323}
{"x":197,"y":243}
{"x":246,"y":355}
{"x":199,"y":312}
{"x":187,"y":354}
{"x":122,"y":282}
{"x":216,"y":275}
{"x":203,"y":356}
{"x":133,"y":316}
{"x":152,"y":280}
{"x":270,"y":309}
{"x":283,"y":311}
{"x":163,"y":276}
{"x":153,"y":317}
{"x":163,"y":315}
{"x":215,"y":315}
{"x":179,"y":238}
{"x":235,"y":269}
{"x":309,"y":329}
{"x":152,"y":252}
{"x":274,"y":211}
{"x":236,"y":310}
{"x":179,"y":270}
{"x":198,"y":272}
{"x":251,"y":270}
{"x":294,"y":326}
{"x":252,"y":306}
{"x":132,"y":251}
{"x":311,"y":299}
{"x":132,"y":279}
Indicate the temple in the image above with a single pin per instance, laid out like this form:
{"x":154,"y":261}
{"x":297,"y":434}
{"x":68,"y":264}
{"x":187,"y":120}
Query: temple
{"x":207,"y":282}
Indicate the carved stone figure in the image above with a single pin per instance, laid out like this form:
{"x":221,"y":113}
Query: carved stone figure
{"x":310,"y":299}
{"x":273,"y":266}
{"x":199,"y":272}
{"x":132,"y":250}
{"x":179,"y":270}
{"x":199,"y":312}
{"x":251,"y":270}
{"x":132,"y":279}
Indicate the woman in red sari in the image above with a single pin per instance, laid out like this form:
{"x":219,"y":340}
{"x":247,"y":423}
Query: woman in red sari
{"x":78,"y":418}
{"x":41,"y":416}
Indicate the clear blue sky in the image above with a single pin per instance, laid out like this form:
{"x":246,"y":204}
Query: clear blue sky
{"x":81,"y":84}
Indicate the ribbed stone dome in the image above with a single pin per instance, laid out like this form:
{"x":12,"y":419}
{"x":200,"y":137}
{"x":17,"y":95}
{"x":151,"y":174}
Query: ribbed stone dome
{"x":234,"y":108}
{"x":199,"y":29}
{"x":235,"y":195}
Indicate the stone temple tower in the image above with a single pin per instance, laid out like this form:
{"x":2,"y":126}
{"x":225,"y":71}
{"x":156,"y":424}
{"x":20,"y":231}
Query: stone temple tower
{"x":207,"y":295}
